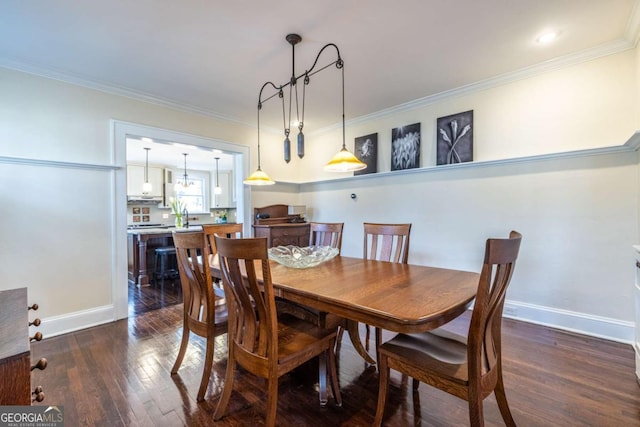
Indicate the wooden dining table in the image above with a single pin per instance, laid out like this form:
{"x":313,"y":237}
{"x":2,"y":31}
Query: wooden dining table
{"x":396,"y":297}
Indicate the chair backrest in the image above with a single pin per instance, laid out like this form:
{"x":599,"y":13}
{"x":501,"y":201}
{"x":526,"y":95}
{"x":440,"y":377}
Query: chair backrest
{"x":387,"y":242}
{"x":232,"y":231}
{"x":484,"y":337}
{"x":195,"y":278}
{"x":326,"y":234}
{"x":253,"y":323}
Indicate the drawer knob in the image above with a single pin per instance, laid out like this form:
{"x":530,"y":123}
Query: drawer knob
{"x":38,"y":393}
{"x":33,"y":307}
{"x":36,"y":337}
{"x":36,"y":322}
{"x":42,"y":364}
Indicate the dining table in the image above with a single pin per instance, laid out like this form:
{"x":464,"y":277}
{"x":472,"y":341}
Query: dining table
{"x":397,"y":297}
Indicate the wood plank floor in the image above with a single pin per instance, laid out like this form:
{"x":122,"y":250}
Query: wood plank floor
{"x":118,"y":375}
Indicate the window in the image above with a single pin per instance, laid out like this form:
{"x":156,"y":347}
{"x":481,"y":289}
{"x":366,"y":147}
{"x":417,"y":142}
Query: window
{"x":195,"y":195}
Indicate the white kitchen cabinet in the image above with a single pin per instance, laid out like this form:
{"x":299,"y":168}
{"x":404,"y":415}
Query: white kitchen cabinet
{"x":224,"y":199}
{"x":135,"y":179}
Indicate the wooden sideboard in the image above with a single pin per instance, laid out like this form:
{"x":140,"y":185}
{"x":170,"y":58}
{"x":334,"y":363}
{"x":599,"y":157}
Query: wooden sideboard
{"x":296,"y":234}
{"x":15,"y":351}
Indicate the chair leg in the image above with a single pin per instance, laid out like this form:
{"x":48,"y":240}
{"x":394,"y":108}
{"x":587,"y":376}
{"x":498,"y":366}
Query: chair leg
{"x":206,"y":373}
{"x":335,"y":384}
{"x":501,"y":398}
{"x":378,"y":342}
{"x":476,"y":416}
{"x":183,"y":349}
{"x":228,"y":386}
{"x":415,"y":384}
{"x":383,"y":386}
{"x":366,"y":337}
{"x":339,"y":338}
{"x":272,"y":402}
{"x":322,"y":378}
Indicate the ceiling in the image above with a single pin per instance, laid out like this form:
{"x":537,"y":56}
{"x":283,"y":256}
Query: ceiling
{"x":213,"y":56}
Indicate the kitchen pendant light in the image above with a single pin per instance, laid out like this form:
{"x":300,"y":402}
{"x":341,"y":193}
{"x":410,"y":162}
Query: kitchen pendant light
{"x":181,"y":185}
{"x":146,"y":186}
{"x":217,"y":190}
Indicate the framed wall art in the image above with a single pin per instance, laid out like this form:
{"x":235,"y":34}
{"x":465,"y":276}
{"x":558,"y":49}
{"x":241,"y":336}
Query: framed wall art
{"x":455,"y":138}
{"x":366,"y":150}
{"x":405,"y":147}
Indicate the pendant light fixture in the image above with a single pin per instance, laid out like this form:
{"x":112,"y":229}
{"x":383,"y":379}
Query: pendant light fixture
{"x":146,"y":186}
{"x":344,"y":161}
{"x":217,"y":189}
{"x":184,"y":183}
{"x":259,"y":177}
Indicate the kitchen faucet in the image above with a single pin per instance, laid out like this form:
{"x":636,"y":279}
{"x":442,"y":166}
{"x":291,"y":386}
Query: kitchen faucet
{"x":185,"y":215}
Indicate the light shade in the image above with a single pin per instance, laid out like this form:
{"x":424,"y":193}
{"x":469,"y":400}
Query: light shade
{"x":259,"y":178}
{"x":147,"y":187}
{"x":217,"y":190}
{"x":344,"y":161}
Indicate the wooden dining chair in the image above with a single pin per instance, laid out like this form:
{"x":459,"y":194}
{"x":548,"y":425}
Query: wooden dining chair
{"x":467,"y":367}
{"x":205,"y":312}
{"x":233,"y":231}
{"x":382,"y":242}
{"x":326,"y":234}
{"x":320,"y":234}
{"x":261,"y":341}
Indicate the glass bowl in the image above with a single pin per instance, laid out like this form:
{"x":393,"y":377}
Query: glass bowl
{"x":297,"y":257}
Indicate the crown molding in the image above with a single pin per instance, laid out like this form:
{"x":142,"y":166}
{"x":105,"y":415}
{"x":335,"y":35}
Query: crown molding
{"x":74,"y":79}
{"x":632,"y":34}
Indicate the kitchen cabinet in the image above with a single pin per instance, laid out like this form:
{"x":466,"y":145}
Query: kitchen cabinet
{"x":224,"y":199}
{"x":135,"y":179}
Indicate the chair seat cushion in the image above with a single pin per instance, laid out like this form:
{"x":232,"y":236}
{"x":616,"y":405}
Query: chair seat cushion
{"x":438,"y":350}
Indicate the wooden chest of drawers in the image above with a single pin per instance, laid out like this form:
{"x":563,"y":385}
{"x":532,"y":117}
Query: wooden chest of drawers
{"x":296,"y":234}
{"x":15,"y":349}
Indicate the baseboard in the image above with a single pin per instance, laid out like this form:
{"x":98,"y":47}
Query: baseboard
{"x":581,"y":323}
{"x":58,"y":325}
{"x":586,"y":324}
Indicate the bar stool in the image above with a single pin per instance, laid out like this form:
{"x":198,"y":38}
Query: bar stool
{"x":165,"y":264}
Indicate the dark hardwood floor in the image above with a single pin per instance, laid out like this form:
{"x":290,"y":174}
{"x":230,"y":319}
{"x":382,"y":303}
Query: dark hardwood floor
{"x":118,"y":375}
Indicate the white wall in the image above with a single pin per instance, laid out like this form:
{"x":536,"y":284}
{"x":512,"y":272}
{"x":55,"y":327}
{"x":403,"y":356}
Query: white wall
{"x":59,"y":233}
{"x":578,"y":215}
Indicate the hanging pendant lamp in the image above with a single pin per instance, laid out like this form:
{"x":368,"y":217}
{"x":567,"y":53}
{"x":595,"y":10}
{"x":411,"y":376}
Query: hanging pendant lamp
{"x":146,"y":186}
{"x":259,"y":177}
{"x":217,"y":189}
{"x":344,"y":161}
{"x":181,"y":185}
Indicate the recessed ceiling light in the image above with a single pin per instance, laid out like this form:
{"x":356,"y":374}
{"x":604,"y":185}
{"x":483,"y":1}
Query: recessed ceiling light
{"x":547,"y":37}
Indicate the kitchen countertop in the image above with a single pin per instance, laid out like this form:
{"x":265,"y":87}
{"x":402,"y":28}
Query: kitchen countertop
{"x":164,"y":229}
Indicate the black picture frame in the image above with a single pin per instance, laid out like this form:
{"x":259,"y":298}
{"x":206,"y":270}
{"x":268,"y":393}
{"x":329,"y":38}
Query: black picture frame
{"x":405,"y":147}
{"x":454,"y":138}
{"x":366,"y":150}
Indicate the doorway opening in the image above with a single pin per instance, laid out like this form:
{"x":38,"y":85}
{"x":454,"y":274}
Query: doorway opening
{"x":154,"y":162}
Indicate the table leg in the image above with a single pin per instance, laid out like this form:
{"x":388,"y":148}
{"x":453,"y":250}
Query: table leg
{"x":354,"y":335}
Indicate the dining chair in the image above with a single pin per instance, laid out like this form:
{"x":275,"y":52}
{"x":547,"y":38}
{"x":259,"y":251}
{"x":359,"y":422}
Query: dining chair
{"x":205,"y":312}
{"x":233,"y":231}
{"x":320,"y":234}
{"x":469,"y":367}
{"x":326,"y":234}
{"x":382,"y":242}
{"x":262,"y":342}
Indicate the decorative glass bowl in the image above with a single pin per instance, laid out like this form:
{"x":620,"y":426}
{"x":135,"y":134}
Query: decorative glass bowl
{"x":296,"y":257}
